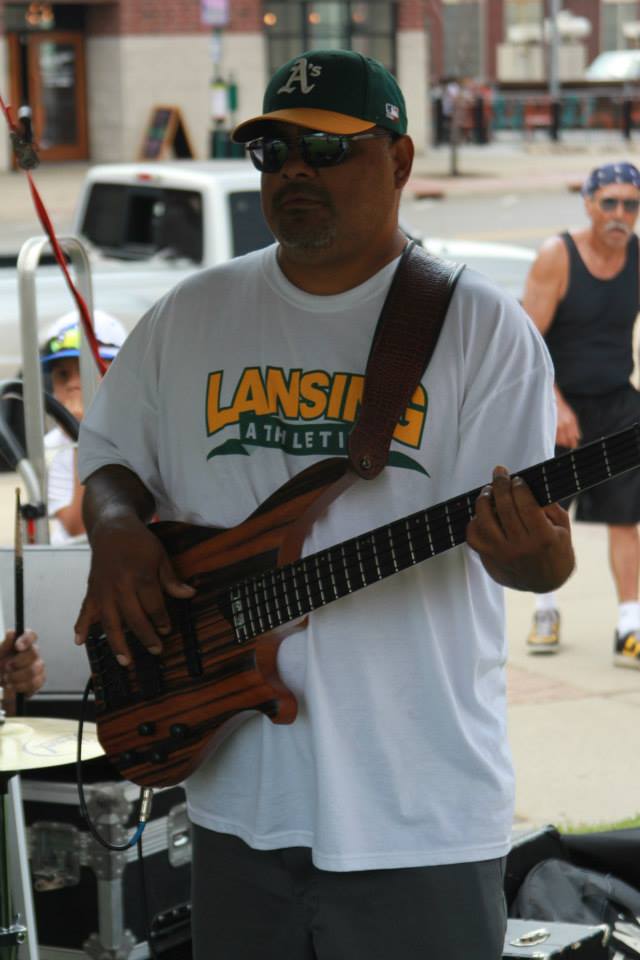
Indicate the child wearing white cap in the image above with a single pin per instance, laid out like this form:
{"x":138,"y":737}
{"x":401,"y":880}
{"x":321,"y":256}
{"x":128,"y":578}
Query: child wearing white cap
{"x":60,"y":358}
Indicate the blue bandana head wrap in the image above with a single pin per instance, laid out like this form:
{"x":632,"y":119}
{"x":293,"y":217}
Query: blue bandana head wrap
{"x":611,"y":173}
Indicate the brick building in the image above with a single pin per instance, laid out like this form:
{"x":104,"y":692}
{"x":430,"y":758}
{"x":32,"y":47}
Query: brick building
{"x":93,"y":70}
{"x":502,"y":41}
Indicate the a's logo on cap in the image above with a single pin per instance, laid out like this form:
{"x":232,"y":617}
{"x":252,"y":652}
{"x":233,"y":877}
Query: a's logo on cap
{"x":391,"y":111}
{"x":300,"y":73}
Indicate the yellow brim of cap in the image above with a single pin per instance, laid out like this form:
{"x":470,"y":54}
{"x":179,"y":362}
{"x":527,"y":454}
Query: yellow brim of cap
{"x":325,"y":120}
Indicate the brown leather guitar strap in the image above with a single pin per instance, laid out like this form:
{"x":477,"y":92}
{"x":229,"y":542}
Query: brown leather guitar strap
{"x":408,"y":329}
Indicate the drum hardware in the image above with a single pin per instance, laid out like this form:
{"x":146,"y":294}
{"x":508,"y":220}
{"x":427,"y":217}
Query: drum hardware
{"x":29,"y":743}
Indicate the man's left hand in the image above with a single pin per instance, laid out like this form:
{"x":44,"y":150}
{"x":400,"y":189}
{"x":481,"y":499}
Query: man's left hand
{"x":521,"y":545}
{"x":21,"y":667}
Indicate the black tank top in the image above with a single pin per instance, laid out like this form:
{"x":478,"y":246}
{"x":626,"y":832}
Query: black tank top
{"x":590,"y":336}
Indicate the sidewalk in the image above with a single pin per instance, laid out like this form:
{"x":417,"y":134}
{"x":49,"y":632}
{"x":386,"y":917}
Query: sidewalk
{"x":512,"y":166}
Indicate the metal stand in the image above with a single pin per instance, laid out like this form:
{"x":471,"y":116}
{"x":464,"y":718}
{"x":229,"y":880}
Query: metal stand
{"x":12,"y":931}
{"x":28,"y":260}
{"x":19,"y":872}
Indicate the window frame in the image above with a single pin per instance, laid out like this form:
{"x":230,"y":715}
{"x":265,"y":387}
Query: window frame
{"x":301,"y":37}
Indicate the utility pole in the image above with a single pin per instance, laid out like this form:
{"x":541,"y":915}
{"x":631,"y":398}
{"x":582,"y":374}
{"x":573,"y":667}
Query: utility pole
{"x":554,"y":66}
{"x":554,"y":50}
{"x":215,"y":14}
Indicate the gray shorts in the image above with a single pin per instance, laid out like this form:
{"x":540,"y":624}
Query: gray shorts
{"x":271,"y":904}
{"x":616,"y":501}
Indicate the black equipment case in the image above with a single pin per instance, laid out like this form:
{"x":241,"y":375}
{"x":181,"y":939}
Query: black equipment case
{"x":615,"y":852}
{"x":529,"y":938}
{"x":89,"y":901}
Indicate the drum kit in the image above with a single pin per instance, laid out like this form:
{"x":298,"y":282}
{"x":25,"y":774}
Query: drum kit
{"x":29,"y":743}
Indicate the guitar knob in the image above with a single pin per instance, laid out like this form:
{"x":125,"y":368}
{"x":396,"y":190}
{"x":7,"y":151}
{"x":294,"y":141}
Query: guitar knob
{"x":158,"y":756}
{"x":128,"y":758}
{"x":179,"y":730}
{"x":147,"y":728}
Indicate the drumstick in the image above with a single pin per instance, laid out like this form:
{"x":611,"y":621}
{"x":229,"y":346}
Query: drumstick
{"x":18,"y":574}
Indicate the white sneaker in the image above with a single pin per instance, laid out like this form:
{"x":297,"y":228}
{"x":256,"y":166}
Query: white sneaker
{"x":545,"y":632}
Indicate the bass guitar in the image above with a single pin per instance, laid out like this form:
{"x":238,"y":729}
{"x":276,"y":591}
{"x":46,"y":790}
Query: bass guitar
{"x":160,"y":716}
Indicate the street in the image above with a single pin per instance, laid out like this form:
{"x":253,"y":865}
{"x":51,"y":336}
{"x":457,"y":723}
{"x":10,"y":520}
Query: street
{"x":520,"y":218}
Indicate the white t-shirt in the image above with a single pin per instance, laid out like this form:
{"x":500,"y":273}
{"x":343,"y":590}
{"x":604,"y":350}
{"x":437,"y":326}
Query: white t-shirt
{"x":59,"y":449}
{"x":235,"y":382}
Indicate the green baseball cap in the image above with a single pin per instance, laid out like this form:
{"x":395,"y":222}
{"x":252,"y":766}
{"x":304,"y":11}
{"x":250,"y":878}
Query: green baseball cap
{"x":336,"y":91}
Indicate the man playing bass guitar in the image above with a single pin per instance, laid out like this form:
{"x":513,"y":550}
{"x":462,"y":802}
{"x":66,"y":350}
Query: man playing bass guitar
{"x":376,"y":824}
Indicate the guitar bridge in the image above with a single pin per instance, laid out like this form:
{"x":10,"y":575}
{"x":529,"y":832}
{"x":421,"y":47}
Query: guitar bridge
{"x":111,"y":685}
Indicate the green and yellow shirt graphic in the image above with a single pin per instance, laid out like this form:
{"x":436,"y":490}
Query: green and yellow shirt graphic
{"x":301,"y":412}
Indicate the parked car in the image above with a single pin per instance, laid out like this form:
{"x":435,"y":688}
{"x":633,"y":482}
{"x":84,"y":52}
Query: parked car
{"x":614,"y":66}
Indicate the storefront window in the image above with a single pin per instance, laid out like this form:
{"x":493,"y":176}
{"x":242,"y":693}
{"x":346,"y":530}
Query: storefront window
{"x":463,"y":38}
{"x":292,"y":26}
{"x":523,"y":13}
{"x":614,"y":16}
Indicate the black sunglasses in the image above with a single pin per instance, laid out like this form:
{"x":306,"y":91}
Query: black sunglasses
{"x":608,"y":204}
{"x":269,"y":154}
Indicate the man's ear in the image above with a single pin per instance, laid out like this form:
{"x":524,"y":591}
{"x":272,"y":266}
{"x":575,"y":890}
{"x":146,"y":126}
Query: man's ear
{"x":403,"y":152}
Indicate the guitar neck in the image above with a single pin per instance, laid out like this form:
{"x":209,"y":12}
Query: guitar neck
{"x":264,"y":602}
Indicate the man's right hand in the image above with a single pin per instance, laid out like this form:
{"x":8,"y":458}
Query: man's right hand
{"x":129,"y":577}
{"x":568,"y":433}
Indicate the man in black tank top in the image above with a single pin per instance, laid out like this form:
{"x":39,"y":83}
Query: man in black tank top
{"x":582,"y":294}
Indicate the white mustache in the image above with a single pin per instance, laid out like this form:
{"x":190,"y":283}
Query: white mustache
{"x":616,"y":225}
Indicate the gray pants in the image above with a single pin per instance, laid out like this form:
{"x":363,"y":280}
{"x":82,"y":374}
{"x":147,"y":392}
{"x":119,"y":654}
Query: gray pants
{"x":274,"y":904}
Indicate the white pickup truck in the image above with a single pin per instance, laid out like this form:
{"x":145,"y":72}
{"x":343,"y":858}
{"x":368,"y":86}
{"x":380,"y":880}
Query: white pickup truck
{"x":148,"y":225}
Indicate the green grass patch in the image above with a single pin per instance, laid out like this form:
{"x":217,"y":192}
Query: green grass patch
{"x":626,"y":824}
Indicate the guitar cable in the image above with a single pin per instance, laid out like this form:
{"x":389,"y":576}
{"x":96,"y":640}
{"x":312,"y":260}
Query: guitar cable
{"x":144,"y":803}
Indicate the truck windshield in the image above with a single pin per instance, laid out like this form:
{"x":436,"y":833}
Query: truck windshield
{"x":138,"y":222}
{"x":249,"y":230}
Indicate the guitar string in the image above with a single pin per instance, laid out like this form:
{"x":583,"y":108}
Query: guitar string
{"x":366,"y":551}
{"x":452,"y":512}
{"x":403,"y":551}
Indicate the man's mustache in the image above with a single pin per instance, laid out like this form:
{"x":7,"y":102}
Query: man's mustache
{"x":617,"y":225}
{"x":308,"y":191}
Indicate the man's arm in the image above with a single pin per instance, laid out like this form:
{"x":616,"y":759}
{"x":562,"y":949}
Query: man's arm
{"x":545,"y":287}
{"x":521,"y":545}
{"x":130,"y":570}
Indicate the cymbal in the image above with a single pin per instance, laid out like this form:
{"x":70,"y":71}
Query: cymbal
{"x":30,"y":743}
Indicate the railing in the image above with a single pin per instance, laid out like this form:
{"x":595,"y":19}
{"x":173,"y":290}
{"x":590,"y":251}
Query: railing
{"x":479,"y":119}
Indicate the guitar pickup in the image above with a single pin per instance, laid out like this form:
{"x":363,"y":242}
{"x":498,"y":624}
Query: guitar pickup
{"x":182,"y":617}
{"x":148,"y":669}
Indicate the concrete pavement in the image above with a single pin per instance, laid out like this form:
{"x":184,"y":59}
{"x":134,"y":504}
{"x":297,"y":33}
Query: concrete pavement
{"x":573,"y":716}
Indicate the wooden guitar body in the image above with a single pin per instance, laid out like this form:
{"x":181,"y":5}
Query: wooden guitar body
{"x":158,"y":718}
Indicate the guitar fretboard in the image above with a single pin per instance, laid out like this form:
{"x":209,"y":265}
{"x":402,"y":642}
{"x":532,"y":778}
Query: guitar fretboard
{"x":267,"y":601}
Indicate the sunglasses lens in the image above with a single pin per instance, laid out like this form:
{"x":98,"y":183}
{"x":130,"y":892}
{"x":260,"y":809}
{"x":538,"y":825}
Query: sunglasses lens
{"x":268,"y":156}
{"x":316,"y":149}
{"x":611,"y":203}
{"x":323,"y":150}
